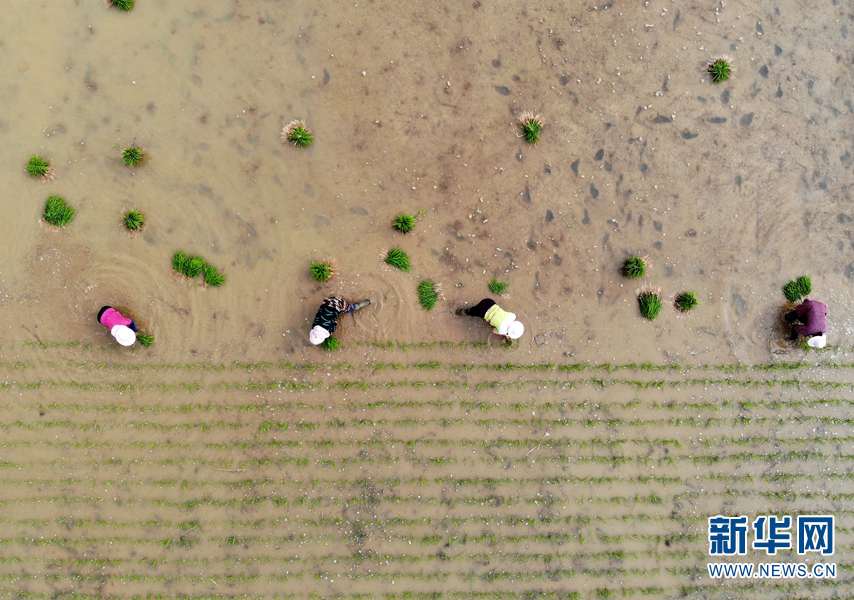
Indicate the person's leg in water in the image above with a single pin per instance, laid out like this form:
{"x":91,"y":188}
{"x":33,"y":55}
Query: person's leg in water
{"x":478,"y":310}
{"x":359,"y":305}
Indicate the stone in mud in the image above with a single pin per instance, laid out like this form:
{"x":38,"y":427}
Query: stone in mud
{"x":600,"y":154}
{"x":503,"y":90}
{"x":763,"y":70}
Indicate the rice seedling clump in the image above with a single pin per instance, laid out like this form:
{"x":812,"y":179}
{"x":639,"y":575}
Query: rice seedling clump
{"x":719,"y":69}
{"x":213,"y":277}
{"x":497,"y":287}
{"x":399,"y":259}
{"x":145,"y":339}
{"x":649,"y":300}
{"x":634,"y":267}
{"x":121,"y":4}
{"x":57,"y":212}
{"x":330,"y":343}
{"x":192,"y":266}
{"x":132,"y":156}
{"x":322,"y":271}
{"x":531,"y":125}
{"x":404,"y":223}
{"x":39,"y":167}
{"x":428,"y":295}
{"x":134,"y":220}
{"x":797,"y":288}
{"x":686,"y":301}
{"x":297,"y":134}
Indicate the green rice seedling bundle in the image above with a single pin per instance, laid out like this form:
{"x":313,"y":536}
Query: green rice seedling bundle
{"x":297,"y":133}
{"x":323,"y":271}
{"x":399,"y":259}
{"x":132,"y":155}
{"x":134,"y":220}
{"x":686,"y":301}
{"x":145,"y":339}
{"x":797,"y":288}
{"x":531,"y":125}
{"x":178,"y":260}
{"x":39,"y":167}
{"x":331,"y":343}
{"x":719,"y":69}
{"x":635,"y":267}
{"x":213,"y":277}
{"x":497,"y":287}
{"x":193,"y":266}
{"x":428,"y":294}
{"x":57,"y":212}
{"x":121,"y":4}
{"x":649,"y":300}
{"x":405,"y":222}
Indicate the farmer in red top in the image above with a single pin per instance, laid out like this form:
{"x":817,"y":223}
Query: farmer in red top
{"x":813,"y":315}
{"x":121,"y":328}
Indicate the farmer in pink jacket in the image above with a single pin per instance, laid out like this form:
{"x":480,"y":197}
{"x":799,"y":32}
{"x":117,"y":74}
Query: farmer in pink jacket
{"x":121,"y":328}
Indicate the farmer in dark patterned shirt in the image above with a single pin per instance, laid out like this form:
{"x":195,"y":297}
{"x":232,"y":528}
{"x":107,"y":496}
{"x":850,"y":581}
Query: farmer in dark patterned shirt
{"x":326,"y":319}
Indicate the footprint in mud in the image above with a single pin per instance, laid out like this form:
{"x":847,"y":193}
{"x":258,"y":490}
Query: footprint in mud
{"x":503,"y":90}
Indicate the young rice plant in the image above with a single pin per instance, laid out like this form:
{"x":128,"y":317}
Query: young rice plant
{"x":213,"y":277}
{"x":39,"y":167}
{"x":297,"y":134}
{"x":322,"y":271}
{"x":428,"y":295}
{"x":134,"y":220}
{"x":145,"y":339}
{"x":649,"y":300}
{"x":685,"y":301}
{"x":57,"y":212}
{"x":331,"y":343}
{"x":634,"y":267}
{"x":719,"y":69}
{"x":797,"y":288}
{"x":398,"y":259}
{"x":531,"y":125}
{"x":497,"y":287}
{"x":132,"y":155}
{"x":121,"y":4}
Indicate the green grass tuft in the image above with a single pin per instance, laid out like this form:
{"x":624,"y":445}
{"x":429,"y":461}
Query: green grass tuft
{"x":321,"y":271}
{"x":720,"y":70}
{"x":399,"y":259}
{"x":497,"y":287}
{"x":650,"y":304}
{"x":686,"y":301}
{"x":57,"y":212}
{"x":213,"y":278}
{"x":132,"y":156}
{"x":122,"y":4}
{"x":404,"y":223}
{"x":193,"y":266}
{"x":301,"y":137}
{"x":634,"y":267}
{"x":427,"y":294}
{"x":331,"y":343}
{"x":178,"y":260}
{"x":531,"y":131}
{"x":134,"y":220}
{"x":38,"y":167}
{"x":145,"y":339}
{"x":797,"y":288}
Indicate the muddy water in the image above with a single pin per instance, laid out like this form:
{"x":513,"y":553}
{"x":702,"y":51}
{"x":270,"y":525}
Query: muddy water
{"x":729,"y":189}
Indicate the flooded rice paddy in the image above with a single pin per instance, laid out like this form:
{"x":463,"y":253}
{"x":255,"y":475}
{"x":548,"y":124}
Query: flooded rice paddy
{"x":423,"y":460}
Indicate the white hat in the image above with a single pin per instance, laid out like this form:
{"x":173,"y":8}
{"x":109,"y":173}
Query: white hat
{"x":818,"y":341}
{"x":123,"y":334}
{"x":317,"y":335}
{"x":515,"y":330}
{"x":504,"y":327}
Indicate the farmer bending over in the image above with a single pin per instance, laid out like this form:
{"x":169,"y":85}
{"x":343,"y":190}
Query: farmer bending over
{"x":504,"y":323}
{"x":813,"y":315}
{"x":121,"y":328}
{"x":326,"y":319}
